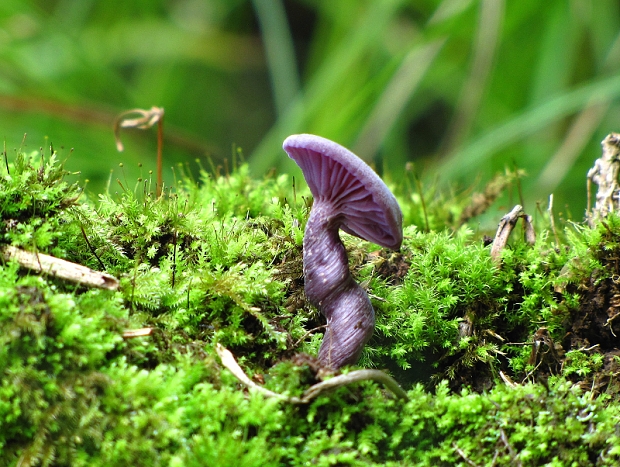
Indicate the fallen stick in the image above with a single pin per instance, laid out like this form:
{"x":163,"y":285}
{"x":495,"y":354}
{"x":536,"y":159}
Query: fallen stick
{"x":59,"y":268}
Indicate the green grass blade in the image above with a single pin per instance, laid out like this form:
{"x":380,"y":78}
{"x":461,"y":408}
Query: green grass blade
{"x":279,"y":50}
{"x":467,"y":161}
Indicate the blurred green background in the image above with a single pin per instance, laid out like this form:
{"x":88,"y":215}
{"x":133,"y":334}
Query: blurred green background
{"x":460,"y":88}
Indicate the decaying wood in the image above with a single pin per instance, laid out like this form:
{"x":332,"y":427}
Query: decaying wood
{"x":228,"y":360}
{"x":59,"y":268}
{"x":505,"y":228}
{"x":605,"y":175}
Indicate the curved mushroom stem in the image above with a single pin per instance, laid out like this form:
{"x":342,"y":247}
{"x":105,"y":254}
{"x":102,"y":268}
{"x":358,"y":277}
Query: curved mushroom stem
{"x":330,"y":287}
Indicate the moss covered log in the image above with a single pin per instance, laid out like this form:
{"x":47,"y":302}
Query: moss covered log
{"x":504,"y":364}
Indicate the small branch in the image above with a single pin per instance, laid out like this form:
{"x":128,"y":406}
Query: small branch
{"x":59,"y":268}
{"x":142,"y":332}
{"x":504,"y":229}
{"x":228,"y":360}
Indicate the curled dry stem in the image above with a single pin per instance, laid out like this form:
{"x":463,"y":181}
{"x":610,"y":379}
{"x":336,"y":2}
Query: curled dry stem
{"x":228,"y":360}
{"x":146,"y":119}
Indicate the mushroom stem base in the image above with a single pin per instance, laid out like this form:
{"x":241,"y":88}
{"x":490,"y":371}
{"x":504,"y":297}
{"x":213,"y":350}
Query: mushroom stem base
{"x":330,"y":287}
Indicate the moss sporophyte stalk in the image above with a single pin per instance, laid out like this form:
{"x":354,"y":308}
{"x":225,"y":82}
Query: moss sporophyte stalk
{"x":503,"y":362}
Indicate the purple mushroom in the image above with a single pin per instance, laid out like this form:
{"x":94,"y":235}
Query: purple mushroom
{"x":348,"y":195}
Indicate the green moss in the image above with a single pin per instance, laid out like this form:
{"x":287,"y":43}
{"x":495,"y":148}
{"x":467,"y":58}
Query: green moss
{"x":55,"y":347}
{"x":34,"y":202}
{"x":219,"y":261}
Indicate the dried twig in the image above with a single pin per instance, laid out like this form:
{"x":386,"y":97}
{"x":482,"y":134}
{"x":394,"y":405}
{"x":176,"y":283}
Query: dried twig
{"x":59,"y":268}
{"x":228,"y":360}
{"x":505,"y":228}
{"x":131,"y":333}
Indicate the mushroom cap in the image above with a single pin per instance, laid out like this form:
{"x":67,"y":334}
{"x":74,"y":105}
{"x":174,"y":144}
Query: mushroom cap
{"x":363,"y":204}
